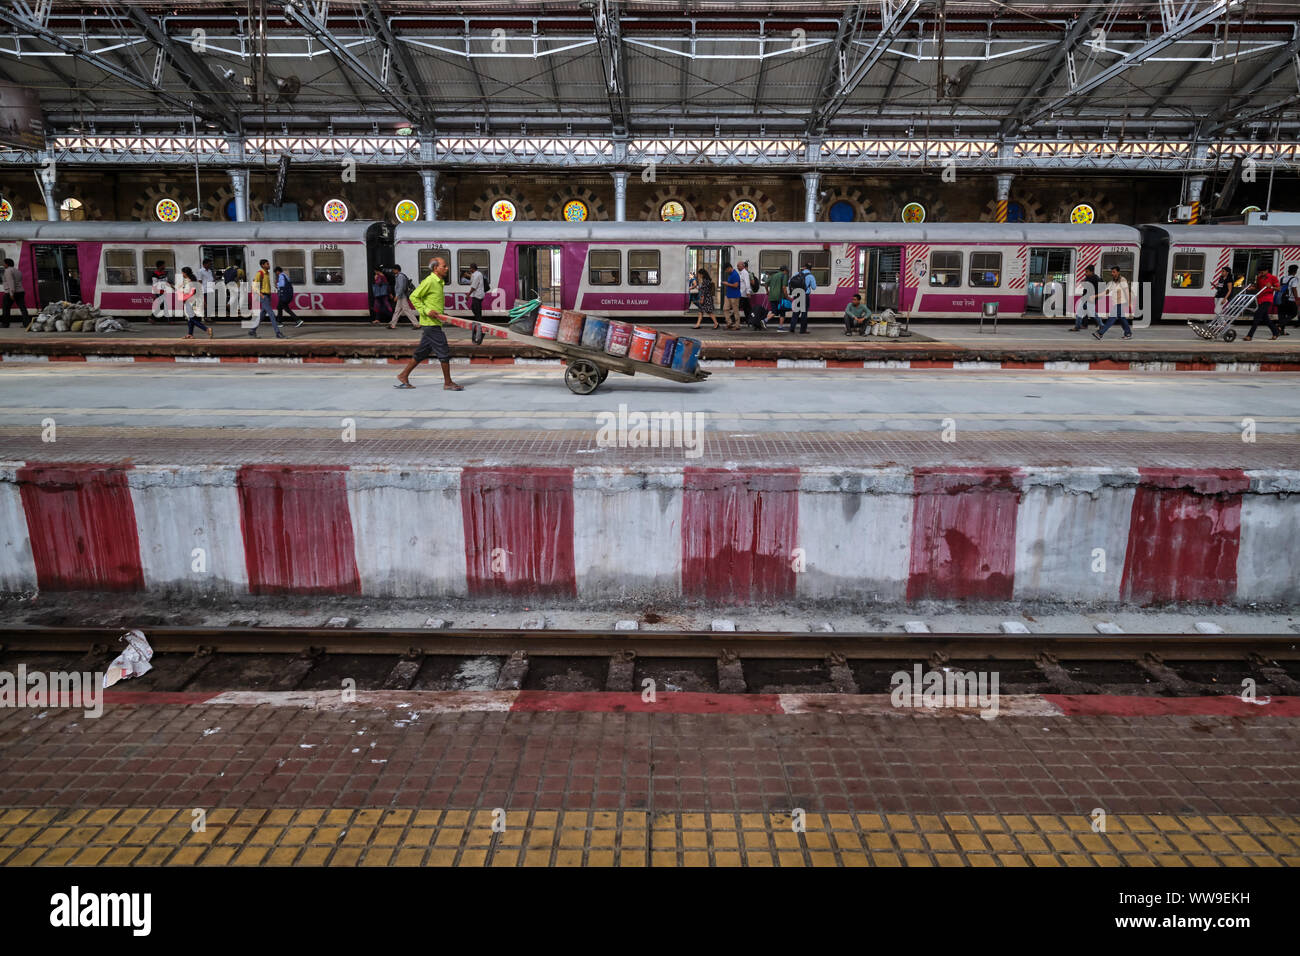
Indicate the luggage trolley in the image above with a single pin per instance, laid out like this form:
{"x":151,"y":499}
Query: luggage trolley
{"x":1221,"y":323}
{"x":584,"y":369}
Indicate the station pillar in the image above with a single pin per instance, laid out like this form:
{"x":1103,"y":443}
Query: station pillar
{"x":430,"y":179}
{"x":239,"y":185}
{"x":1194,"y":187}
{"x":1003,"y":197}
{"x":811,"y":183}
{"x":48,"y":178}
{"x":620,"y":195}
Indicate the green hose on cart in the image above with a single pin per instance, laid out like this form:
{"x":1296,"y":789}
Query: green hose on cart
{"x":523,"y":316}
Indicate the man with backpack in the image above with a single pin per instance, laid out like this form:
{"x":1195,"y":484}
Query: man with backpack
{"x":777,"y":302}
{"x":262,"y":289}
{"x":1288,"y":305}
{"x":160,"y":281}
{"x":802,"y":286}
{"x":284,"y":295}
{"x":402,"y":299}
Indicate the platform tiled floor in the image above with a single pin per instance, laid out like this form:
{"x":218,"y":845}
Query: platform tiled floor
{"x":446,"y":446}
{"x":364,"y":784}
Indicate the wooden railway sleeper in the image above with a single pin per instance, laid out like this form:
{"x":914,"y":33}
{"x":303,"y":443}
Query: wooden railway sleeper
{"x":1273,"y":674}
{"x":1169,"y":679}
{"x":405,"y":671}
{"x":203,"y":655}
{"x":1059,"y":678}
{"x":298,"y":668}
{"x":514,"y":673}
{"x":622,"y":667}
{"x":731,"y":673}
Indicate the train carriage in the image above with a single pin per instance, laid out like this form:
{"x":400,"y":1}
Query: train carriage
{"x":639,"y":270}
{"x":109,"y":264}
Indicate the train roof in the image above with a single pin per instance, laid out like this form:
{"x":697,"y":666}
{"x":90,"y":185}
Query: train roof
{"x":731,"y":232}
{"x":1229,"y":235}
{"x":186,"y":231}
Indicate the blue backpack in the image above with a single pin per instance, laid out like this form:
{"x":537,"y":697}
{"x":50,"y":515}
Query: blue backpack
{"x":809,"y":283}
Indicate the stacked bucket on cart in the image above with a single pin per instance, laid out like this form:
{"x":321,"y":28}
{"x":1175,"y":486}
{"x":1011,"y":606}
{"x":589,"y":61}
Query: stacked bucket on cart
{"x":620,"y":339}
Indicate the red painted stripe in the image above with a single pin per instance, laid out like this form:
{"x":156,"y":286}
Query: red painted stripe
{"x":297,"y":530}
{"x":930,"y":363}
{"x":519,"y":531}
{"x":540,"y":701}
{"x":1007,"y":363}
{"x":1184,"y":533}
{"x":1194,"y":366}
{"x":1279,"y":366}
{"x":322,"y":360}
{"x":67,"y":358}
{"x":739,"y":532}
{"x":239,"y":358}
{"x":840,"y":363}
{"x":964,"y":534}
{"x":1111,"y":705}
{"x":82,"y":527}
{"x":176,"y":697}
{"x":1108,"y":365}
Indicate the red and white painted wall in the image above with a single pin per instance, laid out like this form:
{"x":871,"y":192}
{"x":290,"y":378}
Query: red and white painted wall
{"x":1091,"y":535}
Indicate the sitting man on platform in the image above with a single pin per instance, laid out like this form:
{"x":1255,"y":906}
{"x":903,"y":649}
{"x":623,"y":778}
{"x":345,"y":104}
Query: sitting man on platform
{"x":856,"y":316}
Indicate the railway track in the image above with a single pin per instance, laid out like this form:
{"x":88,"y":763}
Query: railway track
{"x":264,"y":658}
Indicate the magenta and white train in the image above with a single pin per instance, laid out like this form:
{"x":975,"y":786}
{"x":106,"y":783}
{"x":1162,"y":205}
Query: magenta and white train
{"x":641,"y":270}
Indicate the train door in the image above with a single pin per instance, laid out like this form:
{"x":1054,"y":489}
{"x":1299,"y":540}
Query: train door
{"x":539,"y":274}
{"x":57,"y":277}
{"x":223,"y":257}
{"x":712,"y":259}
{"x":878,"y":270}
{"x":1048,"y":267}
{"x":1246,"y":262}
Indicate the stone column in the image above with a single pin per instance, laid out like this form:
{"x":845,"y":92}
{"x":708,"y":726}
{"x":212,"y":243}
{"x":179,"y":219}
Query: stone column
{"x":620,"y":195}
{"x":811,"y":184}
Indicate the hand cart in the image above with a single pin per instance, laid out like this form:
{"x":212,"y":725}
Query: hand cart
{"x":584,"y":369}
{"x":1221,"y":323}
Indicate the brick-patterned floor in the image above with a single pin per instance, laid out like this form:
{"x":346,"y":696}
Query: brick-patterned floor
{"x":893,"y":789}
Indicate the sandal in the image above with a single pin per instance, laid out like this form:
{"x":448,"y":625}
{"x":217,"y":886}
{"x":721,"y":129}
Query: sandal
{"x":403,"y":385}
{"x":189,"y":336}
{"x":453,"y":387}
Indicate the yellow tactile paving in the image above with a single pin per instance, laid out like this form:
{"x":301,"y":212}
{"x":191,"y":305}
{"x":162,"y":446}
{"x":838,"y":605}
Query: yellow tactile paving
{"x":130,"y":836}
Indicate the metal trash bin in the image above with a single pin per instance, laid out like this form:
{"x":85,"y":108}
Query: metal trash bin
{"x":989,"y":311}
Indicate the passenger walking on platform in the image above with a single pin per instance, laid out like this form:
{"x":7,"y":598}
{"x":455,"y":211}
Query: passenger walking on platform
{"x":284,"y":295}
{"x":1288,"y":303}
{"x":1264,"y":286}
{"x":160,"y":281}
{"x":1087,"y":308}
{"x":1117,"y":292}
{"x":1222,"y":289}
{"x":429,"y":300}
{"x":14,"y":294}
{"x":476,"y":290}
{"x":777,"y":302}
{"x":190,"y":297}
{"x":705,"y":285}
{"x":802,"y":286}
{"x":402,"y":300}
{"x":856,"y":315}
{"x":731,"y":299}
{"x":262,"y":287}
{"x":207,"y":283}
{"x":746,"y":287}
{"x":693,"y":290}
{"x":381,"y":308}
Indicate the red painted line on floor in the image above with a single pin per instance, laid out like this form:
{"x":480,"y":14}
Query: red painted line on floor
{"x":1114,"y":705}
{"x":837,"y":363}
{"x":964,"y":534}
{"x":239,"y":358}
{"x":1279,"y":366}
{"x":67,"y":358}
{"x":1108,"y":365}
{"x":930,"y":363}
{"x":297,"y":530}
{"x":81,"y":522}
{"x":1007,"y":363}
{"x":178,"y":698}
{"x":541,"y":701}
{"x":323,"y":360}
{"x":739,"y":532}
{"x":1184,"y":534}
{"x":519,"y":531}
{"x":1194,"y":366}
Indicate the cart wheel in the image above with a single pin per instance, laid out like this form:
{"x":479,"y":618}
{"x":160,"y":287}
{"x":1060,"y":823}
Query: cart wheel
{"x":1229,"y":335}
{"x":582,"y":377}
{"x":604,"y":374}
{"x":476,"y":334}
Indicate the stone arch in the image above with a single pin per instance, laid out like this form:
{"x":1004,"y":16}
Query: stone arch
{"x":691,"y":206}
{"x":1030,"y":206}
{"x":762,"y":202}
{"x":143,"y":210}
{"x":596,"y":209}
{"x":936,"y":210}
{"x":862,"y":211}
{"x":1103,"y":209}
{"x":482,"y":206}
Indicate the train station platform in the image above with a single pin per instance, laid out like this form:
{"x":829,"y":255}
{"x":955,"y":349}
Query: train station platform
{"x":554,"y":780}
{"x":933,"y":345}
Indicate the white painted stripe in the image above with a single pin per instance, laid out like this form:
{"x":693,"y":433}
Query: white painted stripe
{"x":183,"y":508}
{"x":1066,"y":367}
{"x":627,"y":533}
{"x":278,"y":360}
{"x":800,"y":363}
{"x":887,"y":363}
{"x":17,"y":566}
{"x":109,"y":359}
{"x":855,"y":529}
{"x":1236,"y":366}
{"x":1153,"y":366}
{"x":368,"y":361}
{"x":1072,"y":533}
{"x":881,"y":705}
{"x":408,"y":530}
{"x":916,"y":627}
{"x":1270,"y":528}
{"x":976,"y":366}
{"x":537,"y":361}
{"x":717,"y":363}
{"x":198,"y":359}
{"x":22,"y":357}
{"x":397,"y":702}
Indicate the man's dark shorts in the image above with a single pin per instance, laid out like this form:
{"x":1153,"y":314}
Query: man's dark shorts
{"x":433,"y":341}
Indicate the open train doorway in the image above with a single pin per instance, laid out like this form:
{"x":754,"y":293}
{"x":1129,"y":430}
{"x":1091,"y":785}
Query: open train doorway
{"x":713,"y":260}
{"x":1246,"y":262}
{"x":1050,"y":275}
{"x":58,"y":277}
{"x":539,"y":274}
{"x":879,"y":269}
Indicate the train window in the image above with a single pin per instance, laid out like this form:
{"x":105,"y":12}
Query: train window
{"x":293,"y":262}
{"x":605,"y":267}
{"x":466,"y":259}
{"x":945,"y":268}
{"x":643,"y":267}
{"x":1189,"y":270}
{"x":151,"y":258}
{"x":769,"y":260}
{"x":985,"y":270}
{"x":119,"y":267}
{"x":424,"y":261}
{"x":327,"y":266}
{"x":1121,"y":260}
{"x":818,"y":262}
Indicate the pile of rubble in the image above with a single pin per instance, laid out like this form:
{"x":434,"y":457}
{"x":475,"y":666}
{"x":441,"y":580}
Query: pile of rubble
{"x":75,"y":317}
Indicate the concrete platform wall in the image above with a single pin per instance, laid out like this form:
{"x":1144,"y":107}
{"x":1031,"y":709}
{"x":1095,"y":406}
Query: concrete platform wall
{"x":1090,"y":535}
